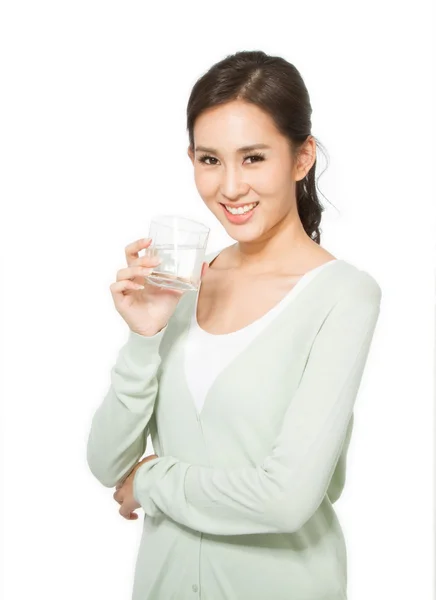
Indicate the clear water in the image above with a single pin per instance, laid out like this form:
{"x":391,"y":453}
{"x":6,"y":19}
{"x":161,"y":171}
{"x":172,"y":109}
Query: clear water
{"x":180,"y":268}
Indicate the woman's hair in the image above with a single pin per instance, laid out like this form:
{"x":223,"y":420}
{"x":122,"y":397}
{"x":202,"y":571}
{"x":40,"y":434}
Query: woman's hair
{"x":275,"y":86}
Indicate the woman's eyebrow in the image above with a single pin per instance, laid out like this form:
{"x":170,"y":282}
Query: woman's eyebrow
{"x":240,"y":150}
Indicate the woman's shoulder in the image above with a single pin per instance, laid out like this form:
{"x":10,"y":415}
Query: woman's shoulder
{"x":358,"y":280}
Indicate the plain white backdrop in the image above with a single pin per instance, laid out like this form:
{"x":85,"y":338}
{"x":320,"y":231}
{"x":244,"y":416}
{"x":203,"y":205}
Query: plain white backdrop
{"x":93,"y":144}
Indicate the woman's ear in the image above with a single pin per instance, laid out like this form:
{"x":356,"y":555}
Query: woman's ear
{"x":191,"y":154}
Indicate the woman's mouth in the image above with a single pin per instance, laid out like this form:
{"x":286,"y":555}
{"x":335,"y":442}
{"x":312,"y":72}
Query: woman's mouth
{"x":240,"y":217}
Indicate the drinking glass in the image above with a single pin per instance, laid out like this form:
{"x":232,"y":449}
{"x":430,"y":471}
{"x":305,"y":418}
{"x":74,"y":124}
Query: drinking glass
{"x":181,"y":244}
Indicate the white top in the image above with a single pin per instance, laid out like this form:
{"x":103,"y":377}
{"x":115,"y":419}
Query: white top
{"x":207,"y":354}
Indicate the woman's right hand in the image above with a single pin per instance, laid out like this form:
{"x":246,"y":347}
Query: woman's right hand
{"x":146,"y":311}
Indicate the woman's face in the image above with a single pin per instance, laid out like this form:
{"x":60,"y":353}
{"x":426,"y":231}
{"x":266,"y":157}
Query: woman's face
{"x":226,"y":174}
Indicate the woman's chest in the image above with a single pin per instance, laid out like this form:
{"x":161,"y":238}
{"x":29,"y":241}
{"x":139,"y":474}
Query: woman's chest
{"x":227,"y":303}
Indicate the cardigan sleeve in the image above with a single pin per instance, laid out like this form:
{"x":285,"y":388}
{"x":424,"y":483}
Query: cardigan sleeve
{"x":283,"y":492}
{"x":119,"y":427}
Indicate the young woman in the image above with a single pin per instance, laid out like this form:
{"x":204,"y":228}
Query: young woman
{"x":247,"y":387}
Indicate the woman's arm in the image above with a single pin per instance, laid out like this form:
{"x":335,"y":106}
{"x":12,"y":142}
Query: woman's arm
{"x":282,"y":493}
{"x":119,"y":428}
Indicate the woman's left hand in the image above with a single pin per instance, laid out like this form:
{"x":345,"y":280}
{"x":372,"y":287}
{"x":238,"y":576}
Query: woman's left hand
{"x":124,"y":493}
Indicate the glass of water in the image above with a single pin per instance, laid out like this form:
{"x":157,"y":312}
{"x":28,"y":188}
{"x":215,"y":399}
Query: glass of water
{"x":181,"y":244}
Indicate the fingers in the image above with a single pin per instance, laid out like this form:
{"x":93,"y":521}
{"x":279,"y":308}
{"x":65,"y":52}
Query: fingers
{"x":119,"y":498}
{"x":146,"y":266}
{"x":131,"y":516}
{"x":139,"y":267}
{"x":124,"y":286}
{"x":132,"y":250}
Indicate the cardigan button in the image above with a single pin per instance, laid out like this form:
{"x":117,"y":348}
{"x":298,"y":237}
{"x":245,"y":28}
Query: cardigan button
{"x":195,"y":588}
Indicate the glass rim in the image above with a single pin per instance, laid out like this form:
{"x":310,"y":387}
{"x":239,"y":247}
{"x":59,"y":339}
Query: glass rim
{"x":160,"y":220}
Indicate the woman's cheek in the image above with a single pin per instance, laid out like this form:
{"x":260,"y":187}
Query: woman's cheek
{"x":207,"y":187}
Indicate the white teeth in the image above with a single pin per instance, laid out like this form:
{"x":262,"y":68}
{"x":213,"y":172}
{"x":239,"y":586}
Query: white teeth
{"x":241,"y":210}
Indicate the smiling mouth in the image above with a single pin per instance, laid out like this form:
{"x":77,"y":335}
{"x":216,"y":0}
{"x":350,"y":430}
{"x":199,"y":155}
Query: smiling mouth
{"x":253,"y":205}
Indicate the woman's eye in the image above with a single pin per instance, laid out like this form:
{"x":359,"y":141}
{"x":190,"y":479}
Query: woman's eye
{"x":203,"y":159}
{"x":257,"y":157}
{"x":260,"y":157}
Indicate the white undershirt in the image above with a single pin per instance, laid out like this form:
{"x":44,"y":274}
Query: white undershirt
{"x":207,"y":354}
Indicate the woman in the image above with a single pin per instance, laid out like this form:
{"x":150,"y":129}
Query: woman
{"x":247,"y":388}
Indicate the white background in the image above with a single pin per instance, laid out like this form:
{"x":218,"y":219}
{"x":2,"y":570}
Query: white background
{"x":93,"y":142}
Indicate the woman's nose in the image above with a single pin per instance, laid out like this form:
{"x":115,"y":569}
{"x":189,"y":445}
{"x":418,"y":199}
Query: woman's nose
{"x":233,"y":184}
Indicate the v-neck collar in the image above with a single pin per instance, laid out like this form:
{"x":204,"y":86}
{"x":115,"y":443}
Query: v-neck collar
{"x":287,"y":298}
{"x":308,"y":295}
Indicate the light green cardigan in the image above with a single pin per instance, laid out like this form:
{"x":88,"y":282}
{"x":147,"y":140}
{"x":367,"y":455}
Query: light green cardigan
{"x":238,"y":504}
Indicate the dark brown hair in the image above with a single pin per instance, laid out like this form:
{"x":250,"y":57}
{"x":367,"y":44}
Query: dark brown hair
{"x":275,"y":86}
